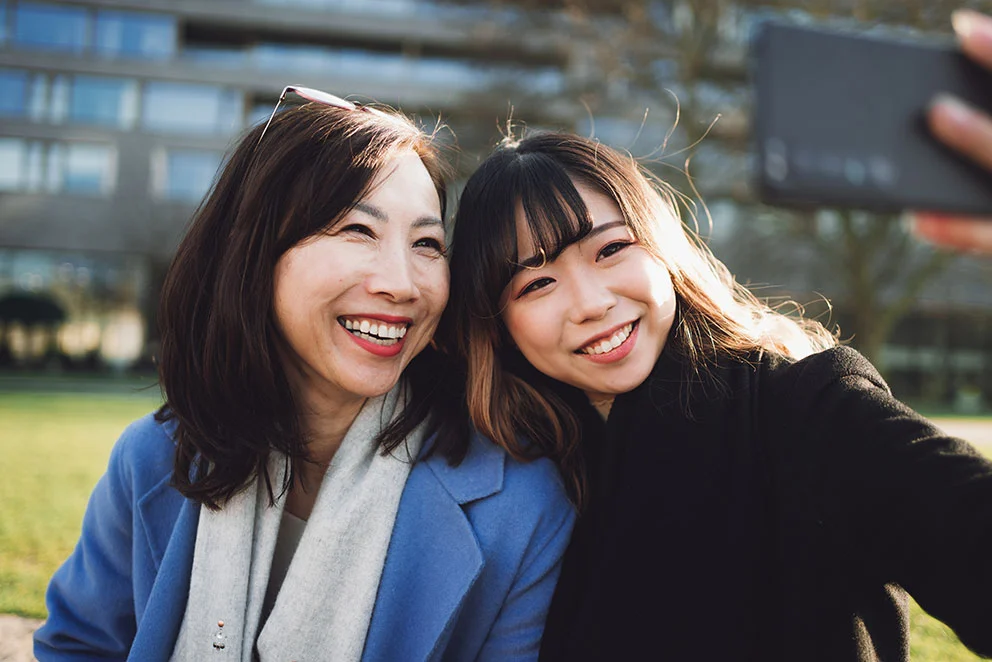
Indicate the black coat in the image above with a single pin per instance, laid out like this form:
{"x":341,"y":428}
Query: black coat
{"x":778,"y":516}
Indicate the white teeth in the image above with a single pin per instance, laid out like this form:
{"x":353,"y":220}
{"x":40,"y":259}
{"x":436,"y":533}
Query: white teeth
{"x":604,"y":346}
{"x":388,"y":334}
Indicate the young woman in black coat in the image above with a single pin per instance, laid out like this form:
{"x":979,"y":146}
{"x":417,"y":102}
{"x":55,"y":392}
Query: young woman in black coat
{"x":748,"y":489}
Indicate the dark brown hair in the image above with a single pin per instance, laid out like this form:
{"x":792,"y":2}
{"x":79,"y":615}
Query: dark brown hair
{"x":219,"y":367}
{"x":507,"y":398}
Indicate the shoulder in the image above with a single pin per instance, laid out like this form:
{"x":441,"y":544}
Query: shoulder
{"x":535,"y":481}
{"x":826,"y":365}
{"x":143,"y":455}
{"x":489,"y":483}
{"x":834,"y":368}
{"x":531,"y":507}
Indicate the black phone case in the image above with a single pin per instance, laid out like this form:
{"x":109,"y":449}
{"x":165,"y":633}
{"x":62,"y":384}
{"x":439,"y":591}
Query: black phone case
{"x":839,"y":122}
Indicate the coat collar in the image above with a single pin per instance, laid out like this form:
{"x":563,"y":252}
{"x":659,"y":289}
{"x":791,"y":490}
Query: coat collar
{"x":477,"y":476}
{"x":434,"y":558}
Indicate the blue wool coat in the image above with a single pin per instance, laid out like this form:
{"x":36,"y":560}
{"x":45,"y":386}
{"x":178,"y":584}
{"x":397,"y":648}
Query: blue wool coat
{"x":470,"y":570}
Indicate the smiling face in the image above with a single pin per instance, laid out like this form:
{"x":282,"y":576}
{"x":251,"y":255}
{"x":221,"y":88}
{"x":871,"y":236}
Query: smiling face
{"x":598,"y":315}
{"x":355,"y":304}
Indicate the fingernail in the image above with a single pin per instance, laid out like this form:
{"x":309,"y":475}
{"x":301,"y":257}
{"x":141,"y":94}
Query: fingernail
{"x":955,"y":109}
{"x":968,"y":23}
{"x":963,"y":22}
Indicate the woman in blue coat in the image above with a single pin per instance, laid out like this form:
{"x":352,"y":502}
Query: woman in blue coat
{"x":296,"y":497}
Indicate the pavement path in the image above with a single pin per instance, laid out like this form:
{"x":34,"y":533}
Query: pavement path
{"x":15,"y":638}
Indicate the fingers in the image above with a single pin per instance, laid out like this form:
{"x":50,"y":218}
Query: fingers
{"x":956,"y":124}
{"x":963,"y":128}
{"x":956,"y":232}
{"x":974,"y":32}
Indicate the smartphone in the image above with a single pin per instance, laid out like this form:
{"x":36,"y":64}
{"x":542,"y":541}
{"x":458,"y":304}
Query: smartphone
{"x":839,"y":121}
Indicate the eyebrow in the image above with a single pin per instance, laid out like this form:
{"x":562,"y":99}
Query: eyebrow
{"x":380,"y":215}
{"x":538,"y":260}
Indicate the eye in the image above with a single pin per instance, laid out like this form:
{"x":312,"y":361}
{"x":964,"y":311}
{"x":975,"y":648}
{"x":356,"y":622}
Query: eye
{"x":535,"y":285}
{"x":613,"y":248}
{"x":358,"y":228}
{"x":432,"y":244}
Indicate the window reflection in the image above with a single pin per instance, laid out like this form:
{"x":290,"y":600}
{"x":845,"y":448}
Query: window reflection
{"x":51,"y":27}
{"x":34,"y":165}
{"x":183,"y":174}
{"x":11,"y":164}
{"x":88,"y":168}
{"x":149,"y":36}
{"x":104,"y":101}
{"x":13,"y":93}
{"x":185,"y":108}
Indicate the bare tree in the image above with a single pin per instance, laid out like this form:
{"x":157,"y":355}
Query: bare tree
{"x":689,"y":56}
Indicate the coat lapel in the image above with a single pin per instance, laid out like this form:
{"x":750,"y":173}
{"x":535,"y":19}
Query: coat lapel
{"x":434,"y":557}
{"x":169,"y":562}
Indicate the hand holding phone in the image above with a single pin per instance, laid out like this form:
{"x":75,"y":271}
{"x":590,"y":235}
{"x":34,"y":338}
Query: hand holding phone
{"x":969,"y":131}
{"x":841,"y":121}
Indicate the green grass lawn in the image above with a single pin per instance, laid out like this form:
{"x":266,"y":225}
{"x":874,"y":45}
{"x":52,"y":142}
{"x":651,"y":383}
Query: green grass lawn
{"x":54,"y":447}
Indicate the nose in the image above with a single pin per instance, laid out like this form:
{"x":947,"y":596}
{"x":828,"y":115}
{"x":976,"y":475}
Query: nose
{"x":591,"y":300}
{"x":393,"y":275}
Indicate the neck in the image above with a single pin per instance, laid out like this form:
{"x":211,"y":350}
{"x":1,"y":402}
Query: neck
{"x":324,"y":424}
{"x":602,"y":403}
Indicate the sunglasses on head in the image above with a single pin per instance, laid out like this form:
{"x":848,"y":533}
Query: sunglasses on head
{"x":315,"y":96}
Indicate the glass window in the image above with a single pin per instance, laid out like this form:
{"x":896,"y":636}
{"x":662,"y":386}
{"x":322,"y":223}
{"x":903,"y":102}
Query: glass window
{"x":212,"y":55}
{"x":51,"y":27}
{"x":184,"y":174}
{"x":37,"y":96}
{"x":13,"y":93}
{"x":148,"y":36}
{"x":3,"y":22}
{"x":188,"y":108}
{"x":11,"y":164}
{"x":104,"y":101}
{"x":82,"y":168}
{"x":33,"y":179}
{"x":58,"y":107}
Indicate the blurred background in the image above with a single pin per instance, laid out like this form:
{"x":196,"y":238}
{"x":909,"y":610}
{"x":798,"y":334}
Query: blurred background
{"x":115,"y":114}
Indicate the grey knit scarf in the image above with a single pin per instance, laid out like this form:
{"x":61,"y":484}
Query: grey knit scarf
{"x":325,"y":604}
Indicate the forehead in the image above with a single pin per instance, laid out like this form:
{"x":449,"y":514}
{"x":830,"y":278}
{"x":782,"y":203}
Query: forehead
{"x":405,"y":181}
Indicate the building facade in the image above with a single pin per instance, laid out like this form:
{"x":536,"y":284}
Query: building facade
{"x":115,"y":115}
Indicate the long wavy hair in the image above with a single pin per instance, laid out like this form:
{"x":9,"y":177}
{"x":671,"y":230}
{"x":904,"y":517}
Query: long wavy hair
{"x":224,"y":386}
{"x":507,"y":399}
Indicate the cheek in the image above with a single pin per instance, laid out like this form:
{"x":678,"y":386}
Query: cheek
{"x":522,"y":323}
{"x":435,"y":284}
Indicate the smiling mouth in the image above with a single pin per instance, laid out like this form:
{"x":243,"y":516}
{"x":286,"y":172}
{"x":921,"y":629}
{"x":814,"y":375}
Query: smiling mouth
{"x":374,"y":331}
{"x":607,"y":345}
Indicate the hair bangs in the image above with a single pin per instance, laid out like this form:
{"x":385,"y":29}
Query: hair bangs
{"x":554,"y":211}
